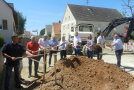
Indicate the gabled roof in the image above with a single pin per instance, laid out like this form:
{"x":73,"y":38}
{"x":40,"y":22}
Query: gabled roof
{"x":57,"y":28}
{"x":10,"y":5}
{"x":88,"y":13}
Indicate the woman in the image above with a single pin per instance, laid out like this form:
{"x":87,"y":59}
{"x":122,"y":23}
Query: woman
{"x":90,"y":47}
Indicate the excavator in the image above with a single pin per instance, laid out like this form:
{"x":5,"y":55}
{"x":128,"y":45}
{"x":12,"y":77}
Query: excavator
{"x":118,"y":22}
{"x":110,"y":27}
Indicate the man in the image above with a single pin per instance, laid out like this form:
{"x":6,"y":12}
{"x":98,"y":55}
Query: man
{"x":11,"y":51}
{"x":77,"y":43}
{"x":53,"y":44}
{"x":118,"y":47}
{"x":33,"y":48}
{"x":45,"y":44}
{"x":63,"y":47}
{"x":101,"y":42}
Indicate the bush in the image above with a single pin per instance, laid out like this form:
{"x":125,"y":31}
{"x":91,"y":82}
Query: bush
{"x":1,"y":41}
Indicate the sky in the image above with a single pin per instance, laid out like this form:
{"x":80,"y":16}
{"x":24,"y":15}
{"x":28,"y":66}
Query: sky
{"x":40,"y":13}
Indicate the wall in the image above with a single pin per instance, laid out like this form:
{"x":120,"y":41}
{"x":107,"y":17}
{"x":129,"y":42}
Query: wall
{"x":7,"y":15}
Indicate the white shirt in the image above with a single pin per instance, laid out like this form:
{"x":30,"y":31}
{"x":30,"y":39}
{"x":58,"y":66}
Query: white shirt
{"x":101,"y":40}
{"x":118,"y":45}
{"x":63,"y":46}
{"x":44,"y":43}
{"x":76,"y":40}
{"x":90,"y":44}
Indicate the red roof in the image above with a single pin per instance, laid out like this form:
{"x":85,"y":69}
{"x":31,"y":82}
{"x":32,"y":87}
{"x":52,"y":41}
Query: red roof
{"x":57,"y":28}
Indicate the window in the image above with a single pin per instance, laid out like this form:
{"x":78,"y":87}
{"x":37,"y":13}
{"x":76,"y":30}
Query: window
{"x":5,"y":27}
{"x":0,"y":25}
{"x":85,"y":28}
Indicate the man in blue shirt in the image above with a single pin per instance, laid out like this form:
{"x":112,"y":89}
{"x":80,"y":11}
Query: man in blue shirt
{"x":12,"y":50}
{"x":63,"y":47}
{"x":53,"y":44}
{"x":118,"y":47}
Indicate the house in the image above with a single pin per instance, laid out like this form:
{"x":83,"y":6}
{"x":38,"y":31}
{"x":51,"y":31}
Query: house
{"x":56,"y":30}
{"x":48,"y":29}
{"x":8,"y":20}
{"x":96,"y":16}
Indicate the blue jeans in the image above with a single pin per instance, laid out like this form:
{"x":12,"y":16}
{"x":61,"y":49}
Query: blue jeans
{"x":77,"y":50}
{"x":36,"y":65}
{"x":118,"y":56}
{"x":90,"y":54}
{"x":8,"y":75}
{"x":50,"y":56}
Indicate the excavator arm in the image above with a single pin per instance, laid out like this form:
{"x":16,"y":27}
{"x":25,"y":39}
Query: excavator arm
{"x":118,"y":22}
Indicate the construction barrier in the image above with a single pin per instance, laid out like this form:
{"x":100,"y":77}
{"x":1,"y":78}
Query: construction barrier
{"x":128,"y":47}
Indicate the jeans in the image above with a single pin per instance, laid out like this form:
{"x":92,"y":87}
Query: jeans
{"x":8,"y":75}
{"x":36,"y":65}
{"x":90,"y":54}
{"x":99,"y":55}
{"x":63,"y":54}
{"x":118,"y":56}
{"x":50,"y":56}
{"x":77,"y":50}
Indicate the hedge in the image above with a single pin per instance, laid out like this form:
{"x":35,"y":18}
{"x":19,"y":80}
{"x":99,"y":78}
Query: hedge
{"x":1,"y":41}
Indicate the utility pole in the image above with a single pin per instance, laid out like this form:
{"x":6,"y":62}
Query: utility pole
{"x":87,"y":2}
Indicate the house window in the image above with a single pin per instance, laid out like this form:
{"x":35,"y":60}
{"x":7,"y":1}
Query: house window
{"x":5,"y":26}
{"x":0,"y":25}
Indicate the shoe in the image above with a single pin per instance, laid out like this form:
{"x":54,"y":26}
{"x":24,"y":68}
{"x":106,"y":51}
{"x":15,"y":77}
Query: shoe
{"x":22,"y":79}
{"x":19,"y":87}
{"x":37,"y":76}
{"x":29,"y":76}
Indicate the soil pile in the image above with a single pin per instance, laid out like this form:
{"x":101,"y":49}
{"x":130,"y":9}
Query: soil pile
{"x":81,"y":73}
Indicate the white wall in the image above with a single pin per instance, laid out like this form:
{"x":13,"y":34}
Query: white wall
{"x":68,"y":22}
{"x":6,"y":13}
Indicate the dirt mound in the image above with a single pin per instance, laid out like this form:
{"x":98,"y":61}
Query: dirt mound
{"x":81,"y":73}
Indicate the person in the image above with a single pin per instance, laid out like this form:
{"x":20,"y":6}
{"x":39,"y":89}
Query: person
{"x":11,"y":51}
{"x":20,"y":41}
{"x":53,"y":44}
{"x":44,"y":43}
{"x":33,"y":48}
{"x":63,"y":47}
{"x":77,"y":43}
{"x":101,"y":42}
{"x":90,"y":47}
{"x":118,"y":47}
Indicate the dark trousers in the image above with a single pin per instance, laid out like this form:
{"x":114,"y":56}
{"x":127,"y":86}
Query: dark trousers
{"x":90,"y":54}
{"x":118,"y":56}
{"x":50,"y":56}
{"x":63,"y":54}
{"x":36,"y":65}
{"x":99,"y":55}
{"x":77,"y":50}
{"x":8,"y":75}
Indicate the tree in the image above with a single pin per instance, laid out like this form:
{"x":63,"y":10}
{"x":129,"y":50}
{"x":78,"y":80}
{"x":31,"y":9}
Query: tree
{"x":129,"y":4}
{"x":21,"y":23}
{"x":42,"y":32}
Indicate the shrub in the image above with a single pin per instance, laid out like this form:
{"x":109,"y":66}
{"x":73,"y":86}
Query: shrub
{"x":1,"y":41}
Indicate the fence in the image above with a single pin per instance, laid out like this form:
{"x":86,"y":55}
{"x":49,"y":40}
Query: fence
{"x":128,"y":47}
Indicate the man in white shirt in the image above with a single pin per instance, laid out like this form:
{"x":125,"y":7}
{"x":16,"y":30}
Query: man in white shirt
{"x":118,"y":47}
{"x":101,"y":42}
{"x":45,"y":44}
{"x":77,"y":43}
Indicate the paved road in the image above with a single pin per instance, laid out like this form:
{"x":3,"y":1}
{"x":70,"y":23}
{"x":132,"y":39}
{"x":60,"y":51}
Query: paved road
{"x":109,"y":56}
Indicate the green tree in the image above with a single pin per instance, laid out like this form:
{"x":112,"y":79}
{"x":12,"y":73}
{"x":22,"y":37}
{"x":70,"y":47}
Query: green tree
{"x":42,"y":32}
{"x":21,"y":23}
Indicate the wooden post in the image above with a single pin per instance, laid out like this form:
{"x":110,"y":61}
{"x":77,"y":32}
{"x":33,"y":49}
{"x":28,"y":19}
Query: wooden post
{"x":55,"y":59}
{"x":44,"y":65}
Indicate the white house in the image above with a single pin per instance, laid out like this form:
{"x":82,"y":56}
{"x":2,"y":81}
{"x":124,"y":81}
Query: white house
{"x":8,"y":20}
{"x":96,"y":16}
